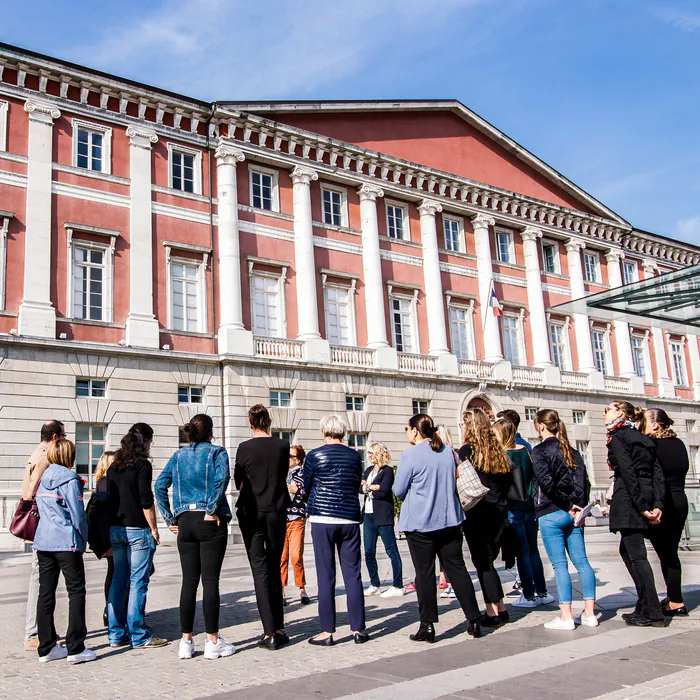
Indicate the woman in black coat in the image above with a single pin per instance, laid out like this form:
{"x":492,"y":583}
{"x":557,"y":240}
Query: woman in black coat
{"x":379,"y":520}
{"x":673,"y":458}
{"x":637,"y":503}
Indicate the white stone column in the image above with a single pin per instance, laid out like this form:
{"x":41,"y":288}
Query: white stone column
{"x":233,"y":338}
{"x":482,"y":241}
{"x":622,"y":330}
{"x":582,"y":326}
{"x":141,"y":323}
{"x":316,"y":348}
{"x":535,"y":300}
{"x":375,"y":309}
{"x":37,"y":316}
{"x":694,"y":353}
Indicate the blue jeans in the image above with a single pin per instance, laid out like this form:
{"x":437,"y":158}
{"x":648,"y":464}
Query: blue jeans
{"x":133,"y":548}
{"x":386,"y":532}
{"x":529,"y":562}
{"x":560,"y":537}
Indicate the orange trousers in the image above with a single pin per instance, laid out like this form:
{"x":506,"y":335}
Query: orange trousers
{"x":294,"y":550}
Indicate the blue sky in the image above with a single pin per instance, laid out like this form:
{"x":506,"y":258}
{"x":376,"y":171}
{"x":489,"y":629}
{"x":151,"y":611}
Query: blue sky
{"x":606,"y":91}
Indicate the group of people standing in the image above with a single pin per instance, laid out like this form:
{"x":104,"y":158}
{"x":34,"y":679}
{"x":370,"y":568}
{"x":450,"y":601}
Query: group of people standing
{"x":526,"y":490}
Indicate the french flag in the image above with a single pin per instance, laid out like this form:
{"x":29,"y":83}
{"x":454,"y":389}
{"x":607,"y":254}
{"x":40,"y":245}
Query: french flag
{"x":494,"y":303}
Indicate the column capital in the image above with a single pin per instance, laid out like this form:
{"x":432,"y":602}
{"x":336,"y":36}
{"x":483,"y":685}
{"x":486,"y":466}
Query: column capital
{"x":41,"y":111}
{"x":483,"y":221}
{"x":574,"y":245}
{"x":228,"y":155}
{"x":369,"y":192}
{"x":141,"y":136}
{"x":650,"y":266}
{"x":304,"y":176}
{"x":614,"y":255}
{"x":429,"y":206}
{"x":531,"y":233}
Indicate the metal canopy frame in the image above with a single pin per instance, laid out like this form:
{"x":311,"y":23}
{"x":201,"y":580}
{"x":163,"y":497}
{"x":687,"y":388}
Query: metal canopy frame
{"x":671,"y":300}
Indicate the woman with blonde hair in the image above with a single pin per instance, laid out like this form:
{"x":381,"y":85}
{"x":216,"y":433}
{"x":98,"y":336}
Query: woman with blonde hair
{"x":60,"y":541}
{"x":561,"y":489}
{"x":487,"y":522}
{"x":379,"y":520}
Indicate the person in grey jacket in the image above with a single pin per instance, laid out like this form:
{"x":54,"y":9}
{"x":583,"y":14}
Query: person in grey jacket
{"x":60,"y":541}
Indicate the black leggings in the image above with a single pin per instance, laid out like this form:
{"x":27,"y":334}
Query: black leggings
{"x":480,"y":534}
{"x":665,"y":539}
{"x":634,"y":554}
{"x":202,"y":546}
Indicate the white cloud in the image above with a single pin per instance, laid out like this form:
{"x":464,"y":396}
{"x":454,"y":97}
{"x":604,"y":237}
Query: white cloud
{"x":238,"y":49}
{"x":677,"y":17}
{"x":688,"y":230}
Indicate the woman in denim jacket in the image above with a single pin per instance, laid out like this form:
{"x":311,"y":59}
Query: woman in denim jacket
{"x":199,"y":475}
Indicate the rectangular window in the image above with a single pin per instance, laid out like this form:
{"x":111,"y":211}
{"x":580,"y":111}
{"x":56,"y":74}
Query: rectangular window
{"x":338,"y":316}
{"x":639,"y":356}
{"x":280,"y":399}
{"x":287,"y":435}
{"x":420,"y":406}
{"x":358,"y":441}
{"x":559,"y":344}
{"x":690,"y":425}
{"x":550,"y":258}
{"x":90,"y":388}
{"x":261,"y":190}
{"x":182,"y":171}
{"x":332,"y":207}
{"x":600,"y":351}
{"x":530,"y":413}
{"x":504,"y":247}
{"x":403,"y":324}
{"x":590,"y":267}
{"x":512,"y":344}
{"x":185,"y":292}
{"x":453,"y":234}
{"x":680,"y":377}
{"x":629,"y":272}
{"x":190,"y":394}
{"x":88,"y":283}
{"x":694,"y":459}
{"x":267,"y":314}
{"x":462,"y":333}
{"x":583,"y":447}
{"x":3,"y":125}
{"x":90,"y":441}
{"x":354,"y":403}
{"x":90,"y":150}
{"x":396,"y":217}
{"x":579,"y":417}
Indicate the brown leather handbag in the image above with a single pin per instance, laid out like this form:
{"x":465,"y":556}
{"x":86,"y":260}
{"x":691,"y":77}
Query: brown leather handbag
{"x":25,"y":520}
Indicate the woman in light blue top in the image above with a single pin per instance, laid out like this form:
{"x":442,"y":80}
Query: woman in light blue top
{"x":431,"y":516}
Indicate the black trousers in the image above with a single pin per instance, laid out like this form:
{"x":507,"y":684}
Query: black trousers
{"x":51,"y":565}
{"x":634,"y":553}
{"x":263,"y":537}
{"x":202,"y":546}
{"x":481,"y":539}
{"x":665,"y":539}
{"x":447,"y":546}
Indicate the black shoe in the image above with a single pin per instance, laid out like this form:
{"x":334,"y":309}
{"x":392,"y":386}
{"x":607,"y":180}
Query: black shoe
{"x":630,"y":616}
{"x":361,"y":638}
{"x":282,"y":638}
{"x":105,"y":619}
{"x":327,"y":642}
{"x":504,"y":616}
{"x":491,"y":621}
{"x":645,"y":622}
{"x":305,"y":600}
{"x":425,"y":633}
{"x":677,"y":611}
{"x":274,"y":642}
{"x":474,"y":629}
{"x":285,"y":602}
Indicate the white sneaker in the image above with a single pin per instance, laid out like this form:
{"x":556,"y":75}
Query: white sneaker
{"x":449,"y":592}
{"x":524,"y":602}
{"x":558,"y":624}
{"x":81,"y":658}
{"x":220,"y":648}
{"x":371,"y":590}
{"x":186,"y":650}
{"x":588,"y":620}
{"x":56,"y":653}
{"x":392,"y":592}
{"x":546,"y":599}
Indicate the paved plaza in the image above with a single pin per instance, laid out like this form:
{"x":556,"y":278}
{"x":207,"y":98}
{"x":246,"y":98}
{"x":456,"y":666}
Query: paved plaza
{"x":521,"y":660}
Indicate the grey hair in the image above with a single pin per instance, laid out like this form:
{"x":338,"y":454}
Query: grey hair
{"x":333,"y":426}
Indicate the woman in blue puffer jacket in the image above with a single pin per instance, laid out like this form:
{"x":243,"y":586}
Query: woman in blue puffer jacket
{"x":60,"y":541}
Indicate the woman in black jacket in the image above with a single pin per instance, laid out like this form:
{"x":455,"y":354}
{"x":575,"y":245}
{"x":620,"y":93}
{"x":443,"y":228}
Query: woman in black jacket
{"x":379,"y":520}
{"x":260,"y":475}
{"x":665,"y":537}
{"x":561,"y":489}
{"x":637,"y":502}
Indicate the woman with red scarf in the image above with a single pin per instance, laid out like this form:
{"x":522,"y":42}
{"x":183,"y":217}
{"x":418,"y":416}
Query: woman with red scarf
{"x":637,"y":503}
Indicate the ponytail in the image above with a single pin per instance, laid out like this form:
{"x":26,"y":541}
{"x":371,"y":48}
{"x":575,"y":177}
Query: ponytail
{"x":633,"y":413}
{"x":550,"y":419}
{"x":426,"y":429}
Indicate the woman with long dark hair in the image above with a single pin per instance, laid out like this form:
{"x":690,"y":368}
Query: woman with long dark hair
{"x":134,"y":537}
{"x":486,"y":523}
{"x":666,"y":537}
{"x":561,"y":490}
{"x":431,"y":516}
{"x":199,"y":516}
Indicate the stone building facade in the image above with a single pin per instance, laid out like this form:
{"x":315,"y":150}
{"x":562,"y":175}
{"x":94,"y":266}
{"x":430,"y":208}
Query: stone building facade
{"x":162,"y":256}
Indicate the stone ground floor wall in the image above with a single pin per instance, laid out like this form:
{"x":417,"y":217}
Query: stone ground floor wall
{"x":38,"y":382}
